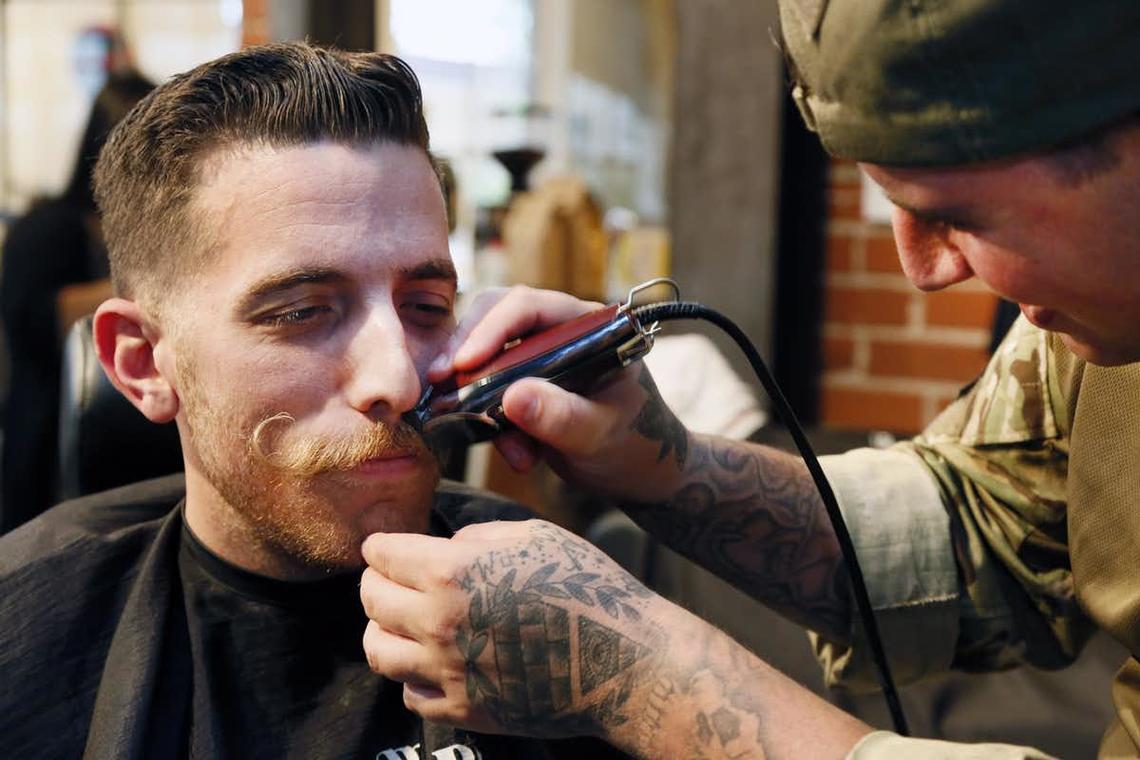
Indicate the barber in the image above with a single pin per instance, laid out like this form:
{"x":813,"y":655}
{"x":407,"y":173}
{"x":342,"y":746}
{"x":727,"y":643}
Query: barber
{"x":1007,"y":134}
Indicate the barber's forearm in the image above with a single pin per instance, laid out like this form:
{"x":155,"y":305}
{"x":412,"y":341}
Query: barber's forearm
{"x":752,"y":515}
{"x":711,"y":698}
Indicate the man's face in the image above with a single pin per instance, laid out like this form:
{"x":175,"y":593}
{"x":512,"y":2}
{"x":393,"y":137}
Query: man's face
{"x":1067,"y":251}
{"x":302,"y":341}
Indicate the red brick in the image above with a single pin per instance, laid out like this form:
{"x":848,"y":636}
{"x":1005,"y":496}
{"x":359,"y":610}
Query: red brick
{"x":844,"y":204}
{"x":839,"y":253}
{"x":850,"y":408}
{"x":844,"y":175}
{"x":838,"y":353}
{"x":866,"y":306}
{"x":882,"y":256}
{"x":926,"y":360}
{"x":960,"y":308}
{"x":255,"y":22}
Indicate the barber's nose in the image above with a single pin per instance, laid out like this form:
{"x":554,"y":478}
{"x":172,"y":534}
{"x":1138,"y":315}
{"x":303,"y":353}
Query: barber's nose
{"x":383,"y":380}
{"x":930,"y":259}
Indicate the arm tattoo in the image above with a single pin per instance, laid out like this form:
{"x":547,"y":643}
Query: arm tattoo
{"x":535,"y":659}
{"x":754,"y":518}
{"x":714,"y":699}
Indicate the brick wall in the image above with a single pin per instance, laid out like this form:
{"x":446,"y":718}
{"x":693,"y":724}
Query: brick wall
{"x":255,"y":22}
{"x":893,"y":356}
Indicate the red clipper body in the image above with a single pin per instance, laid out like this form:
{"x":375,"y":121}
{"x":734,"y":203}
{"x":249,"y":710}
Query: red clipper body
{"x":576,"y":354}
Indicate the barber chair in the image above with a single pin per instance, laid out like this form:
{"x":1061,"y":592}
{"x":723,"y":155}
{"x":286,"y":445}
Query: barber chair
{"x":104,"y":441}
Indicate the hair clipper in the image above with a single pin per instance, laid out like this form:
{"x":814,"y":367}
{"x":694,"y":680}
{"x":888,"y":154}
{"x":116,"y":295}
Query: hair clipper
{"x":468,"y":406}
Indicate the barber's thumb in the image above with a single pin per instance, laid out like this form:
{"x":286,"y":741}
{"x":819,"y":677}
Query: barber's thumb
{"x":562,"y":420}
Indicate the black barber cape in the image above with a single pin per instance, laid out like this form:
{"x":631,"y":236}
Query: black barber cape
{"x":121,"y":636}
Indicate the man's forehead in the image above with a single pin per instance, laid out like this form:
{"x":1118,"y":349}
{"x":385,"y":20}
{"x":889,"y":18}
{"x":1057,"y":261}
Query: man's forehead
{"x":324,"y":206}
{"x":963,"y":185}
{"x":268,"y":175}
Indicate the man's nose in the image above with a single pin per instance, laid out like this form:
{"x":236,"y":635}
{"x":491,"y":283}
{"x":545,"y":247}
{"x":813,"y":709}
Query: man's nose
{"x":383,"y":379}
{"x":930,"y":259}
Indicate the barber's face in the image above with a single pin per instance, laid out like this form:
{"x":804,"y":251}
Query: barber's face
{"x":1068,"y":252}
{"x":304,"y":339}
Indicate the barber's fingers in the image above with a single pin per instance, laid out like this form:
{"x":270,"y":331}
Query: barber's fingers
{"x":498,"y":317}
{"x":413,"y":560}
{"x":567,"y":422}
{"x":399,"y":658}
{"x":441,"y":366}
{"x":518,"y":449}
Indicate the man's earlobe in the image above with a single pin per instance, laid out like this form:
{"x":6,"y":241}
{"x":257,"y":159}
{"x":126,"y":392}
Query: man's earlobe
{"x":126,"y":341}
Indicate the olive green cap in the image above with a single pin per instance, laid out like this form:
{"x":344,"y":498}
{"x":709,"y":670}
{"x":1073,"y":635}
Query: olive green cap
{"x":942,"y":82}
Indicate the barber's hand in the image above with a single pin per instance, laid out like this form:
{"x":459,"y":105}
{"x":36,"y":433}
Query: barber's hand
{"x":510,"y":627}
{"x":622,"y":440}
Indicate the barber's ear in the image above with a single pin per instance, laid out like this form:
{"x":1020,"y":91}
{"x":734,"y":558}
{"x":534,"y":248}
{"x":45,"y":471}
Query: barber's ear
{"x":126,"y":342}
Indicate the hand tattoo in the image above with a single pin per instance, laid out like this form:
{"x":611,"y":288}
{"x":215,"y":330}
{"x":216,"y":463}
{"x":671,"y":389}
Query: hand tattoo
{"x":551,"y":670}
{"x":560,"y":641}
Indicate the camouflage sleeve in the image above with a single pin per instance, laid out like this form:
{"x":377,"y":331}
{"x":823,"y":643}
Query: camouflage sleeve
{"x":1000,"y":454}
{"x":961,"y":533}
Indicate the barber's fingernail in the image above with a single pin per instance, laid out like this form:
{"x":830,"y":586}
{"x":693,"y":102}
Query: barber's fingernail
{"x":530,"y":410}
{"x":512,"y":453}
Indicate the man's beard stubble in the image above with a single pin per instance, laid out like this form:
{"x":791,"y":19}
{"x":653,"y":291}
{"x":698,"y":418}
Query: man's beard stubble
{"x":285,"y":488}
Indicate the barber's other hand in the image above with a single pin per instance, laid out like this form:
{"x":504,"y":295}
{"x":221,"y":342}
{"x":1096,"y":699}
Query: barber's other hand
{"x":509,"y":627}
{"x":622,"y":440}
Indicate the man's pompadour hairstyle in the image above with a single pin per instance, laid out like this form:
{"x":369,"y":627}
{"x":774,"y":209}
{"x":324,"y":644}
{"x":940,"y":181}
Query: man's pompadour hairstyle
{"x":276,"y":95}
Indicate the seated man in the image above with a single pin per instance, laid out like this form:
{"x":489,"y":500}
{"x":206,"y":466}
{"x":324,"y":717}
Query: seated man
{"x":278,"y":245}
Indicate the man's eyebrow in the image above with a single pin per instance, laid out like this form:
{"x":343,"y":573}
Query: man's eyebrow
{"x":283,"y":281}
{"x":434,"y":269}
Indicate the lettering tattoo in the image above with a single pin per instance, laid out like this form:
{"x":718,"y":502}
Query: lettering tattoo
{"x":710,"y":698}
{"x":753,"y":517}
{"x":545,"y":646}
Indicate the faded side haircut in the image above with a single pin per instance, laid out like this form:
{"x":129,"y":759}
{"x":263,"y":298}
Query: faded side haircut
{"x":278,"y":95}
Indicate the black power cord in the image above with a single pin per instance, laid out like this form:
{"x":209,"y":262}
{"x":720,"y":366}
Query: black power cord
{"x":673,"y":310}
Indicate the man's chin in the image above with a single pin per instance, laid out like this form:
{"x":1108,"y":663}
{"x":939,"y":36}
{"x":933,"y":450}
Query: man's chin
{"x":321,"y":526}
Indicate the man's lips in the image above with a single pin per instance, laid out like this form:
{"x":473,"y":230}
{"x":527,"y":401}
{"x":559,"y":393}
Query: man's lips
{"x":389,"y":465}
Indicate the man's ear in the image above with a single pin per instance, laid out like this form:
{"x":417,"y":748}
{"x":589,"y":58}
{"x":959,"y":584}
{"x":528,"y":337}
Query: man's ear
{"x":125,"y":340}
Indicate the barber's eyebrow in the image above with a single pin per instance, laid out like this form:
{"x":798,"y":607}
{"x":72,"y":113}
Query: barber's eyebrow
{"x":281,"y":282}
{"x":952,"y":216}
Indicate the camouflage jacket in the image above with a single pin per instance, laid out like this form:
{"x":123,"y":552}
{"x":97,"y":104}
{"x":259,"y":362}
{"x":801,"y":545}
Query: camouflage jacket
{"x":1002,"y":534}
